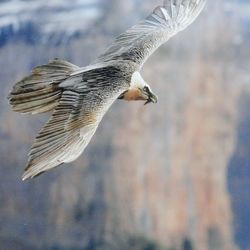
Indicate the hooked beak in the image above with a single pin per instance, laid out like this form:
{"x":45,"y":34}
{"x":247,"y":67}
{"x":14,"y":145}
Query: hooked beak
{"x":151,"y":98}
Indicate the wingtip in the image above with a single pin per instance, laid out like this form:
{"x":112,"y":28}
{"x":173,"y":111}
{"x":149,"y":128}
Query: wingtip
{"x":25,"y":176}
{"x":30,"y":173}
{"x":27,"y":173}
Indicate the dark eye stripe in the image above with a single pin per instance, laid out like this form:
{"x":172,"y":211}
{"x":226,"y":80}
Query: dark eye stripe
{"x":146,"y":89}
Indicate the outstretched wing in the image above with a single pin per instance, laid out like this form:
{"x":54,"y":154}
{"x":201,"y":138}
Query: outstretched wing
{"x":73,"y":122}
{"x":140,"y":41}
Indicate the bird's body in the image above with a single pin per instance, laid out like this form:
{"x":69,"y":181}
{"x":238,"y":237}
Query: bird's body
{"x":79,"y":97}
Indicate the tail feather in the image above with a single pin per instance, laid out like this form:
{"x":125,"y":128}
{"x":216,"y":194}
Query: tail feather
{"x":39,"y":92}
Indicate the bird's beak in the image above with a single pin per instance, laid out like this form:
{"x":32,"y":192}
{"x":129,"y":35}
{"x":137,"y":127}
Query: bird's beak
{"x":151,"y":98}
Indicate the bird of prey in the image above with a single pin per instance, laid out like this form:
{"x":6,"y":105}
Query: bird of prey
{"x":79,"y":97}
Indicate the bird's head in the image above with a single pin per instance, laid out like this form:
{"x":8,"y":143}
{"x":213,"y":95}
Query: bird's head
{"x":139,"y":90}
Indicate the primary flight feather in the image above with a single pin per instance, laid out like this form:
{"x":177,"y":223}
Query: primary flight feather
{"x":79,"y":97}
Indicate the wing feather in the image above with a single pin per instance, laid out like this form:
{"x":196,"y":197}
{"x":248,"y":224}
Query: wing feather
{"x":140,"y":41}
{"x":72,"y":124}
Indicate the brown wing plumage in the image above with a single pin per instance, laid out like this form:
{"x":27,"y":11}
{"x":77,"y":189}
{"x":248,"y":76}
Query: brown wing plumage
{"x":63,"y":138}
{"x":75,"y":119}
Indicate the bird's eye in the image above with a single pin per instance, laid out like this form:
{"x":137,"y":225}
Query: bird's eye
{"x":146,"y":89}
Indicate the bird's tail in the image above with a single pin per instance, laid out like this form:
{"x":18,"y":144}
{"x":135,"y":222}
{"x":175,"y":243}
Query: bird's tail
{"x":39,"y":92}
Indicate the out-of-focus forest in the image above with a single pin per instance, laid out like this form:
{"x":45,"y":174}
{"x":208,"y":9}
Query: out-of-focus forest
{"x":175,"y":175}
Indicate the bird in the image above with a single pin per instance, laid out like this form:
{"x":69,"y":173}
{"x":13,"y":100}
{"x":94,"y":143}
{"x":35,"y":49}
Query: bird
{"x":78,"y":97}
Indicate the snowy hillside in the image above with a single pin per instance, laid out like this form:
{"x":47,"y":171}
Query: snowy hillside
{"x":46,"y":21}
{"x":57,"y":21}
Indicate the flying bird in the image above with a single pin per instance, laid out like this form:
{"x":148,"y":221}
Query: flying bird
{"x":79,"y":97}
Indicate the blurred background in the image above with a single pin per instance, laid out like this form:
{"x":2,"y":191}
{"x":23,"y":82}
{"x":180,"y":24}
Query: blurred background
{"x":173,"y":176}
